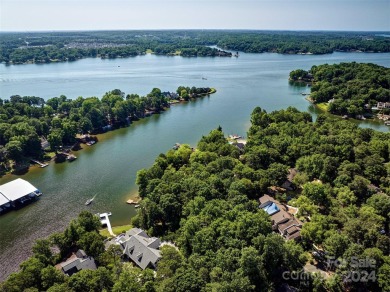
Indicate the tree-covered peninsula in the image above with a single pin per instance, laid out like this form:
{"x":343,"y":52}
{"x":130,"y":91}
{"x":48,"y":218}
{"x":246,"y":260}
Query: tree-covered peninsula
{"x":352,"y":89}
{"x":205,"y":201}
{"x":44,"y":47}
{"x":27,"y":122}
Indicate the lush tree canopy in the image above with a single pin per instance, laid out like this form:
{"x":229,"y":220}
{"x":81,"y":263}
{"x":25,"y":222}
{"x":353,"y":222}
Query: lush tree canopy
{"x":349,"y":88}
{"x":205,"y":201}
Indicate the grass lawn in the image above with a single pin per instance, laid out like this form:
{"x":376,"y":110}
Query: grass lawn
{"x":322,"y":106}
{"x":49,"y":155}
{"x":117,"y":230}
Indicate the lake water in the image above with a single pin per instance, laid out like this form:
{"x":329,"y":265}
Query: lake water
{"x":108,"y":169}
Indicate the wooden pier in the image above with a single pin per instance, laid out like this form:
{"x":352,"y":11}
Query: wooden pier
{"x":41,"y":164}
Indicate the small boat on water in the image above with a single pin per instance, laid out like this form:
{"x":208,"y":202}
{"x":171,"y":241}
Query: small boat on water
{"x":71,"y":157}
{"x":90,"y":143}
{"x":88,"y":202}
{"x":136,"y":206}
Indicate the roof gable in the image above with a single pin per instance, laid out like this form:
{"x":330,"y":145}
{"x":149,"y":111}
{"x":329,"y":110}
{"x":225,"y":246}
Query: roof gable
{"x":78,"y":261}
{"x":141,"y":248}
{"x":17,"y":189}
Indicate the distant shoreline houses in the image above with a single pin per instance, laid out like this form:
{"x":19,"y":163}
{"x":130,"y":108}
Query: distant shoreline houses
{"x":381,"y":106}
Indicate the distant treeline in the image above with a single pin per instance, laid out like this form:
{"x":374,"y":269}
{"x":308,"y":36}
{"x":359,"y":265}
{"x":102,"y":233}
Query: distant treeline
{"x":349,"y":88}
{"x":69,"y":46}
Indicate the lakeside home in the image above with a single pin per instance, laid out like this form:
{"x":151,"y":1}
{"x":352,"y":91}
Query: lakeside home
{"x":139,"y":247}
{"x":76,"y":262}
{"x":282,"y":220}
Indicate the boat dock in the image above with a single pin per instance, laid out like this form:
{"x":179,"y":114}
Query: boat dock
{"x":16,"y":193}
{"x":69,"y":156}
{"x":105,"y":221}
{"x":132,"y":202}
{"x":41,"y":164}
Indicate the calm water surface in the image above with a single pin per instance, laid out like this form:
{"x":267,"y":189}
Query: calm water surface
{"x":108,"y":169}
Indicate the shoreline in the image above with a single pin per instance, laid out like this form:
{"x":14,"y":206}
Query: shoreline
{"x":322,"y":109}
{"x":222,"y":54}
{"x":26,"y":166}
{"x":54,"y":61}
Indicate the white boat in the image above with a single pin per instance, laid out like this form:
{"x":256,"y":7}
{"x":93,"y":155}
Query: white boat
{"x":88,"y":202}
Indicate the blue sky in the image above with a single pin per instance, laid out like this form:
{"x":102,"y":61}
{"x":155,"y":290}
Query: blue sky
{"x":29,"y":15}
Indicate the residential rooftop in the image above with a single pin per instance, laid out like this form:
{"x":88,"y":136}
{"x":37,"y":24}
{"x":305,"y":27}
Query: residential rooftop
{"x":142,"y":249}
{"x":76,"y":262}
{"x":284,"y":222}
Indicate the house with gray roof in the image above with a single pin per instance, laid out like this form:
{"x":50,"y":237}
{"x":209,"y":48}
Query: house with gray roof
{"x":284,"y":222}
{"x":142,"y":249}
{"x":76,"y":262}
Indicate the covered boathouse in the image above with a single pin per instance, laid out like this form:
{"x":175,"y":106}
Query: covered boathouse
{"x":16,"y":193}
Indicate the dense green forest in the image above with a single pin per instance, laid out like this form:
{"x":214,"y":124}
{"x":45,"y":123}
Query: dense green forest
{"x":45,"y":47}
{"x":25,"y":120}
{"x":351,"y":89}
{"x":205,"y":200}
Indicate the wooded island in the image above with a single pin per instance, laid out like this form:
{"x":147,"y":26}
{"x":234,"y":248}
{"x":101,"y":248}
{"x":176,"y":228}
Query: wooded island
{"x":353,"y":89}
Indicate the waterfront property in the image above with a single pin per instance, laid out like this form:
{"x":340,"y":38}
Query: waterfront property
{"x":382,"y":105}
{"x":115,"y":162}
{"x":76,"y":262}
{"x":16,"y":193}
{"x":139,"y":247}
{"x":282,"y":220}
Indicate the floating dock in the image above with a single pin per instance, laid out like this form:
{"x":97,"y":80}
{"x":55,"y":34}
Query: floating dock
{"x":105,"y":221}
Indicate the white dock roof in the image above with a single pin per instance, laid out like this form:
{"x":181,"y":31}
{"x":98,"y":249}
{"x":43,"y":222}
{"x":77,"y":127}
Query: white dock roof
{"x":16,"y":189}
{"x":3,"y":200}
